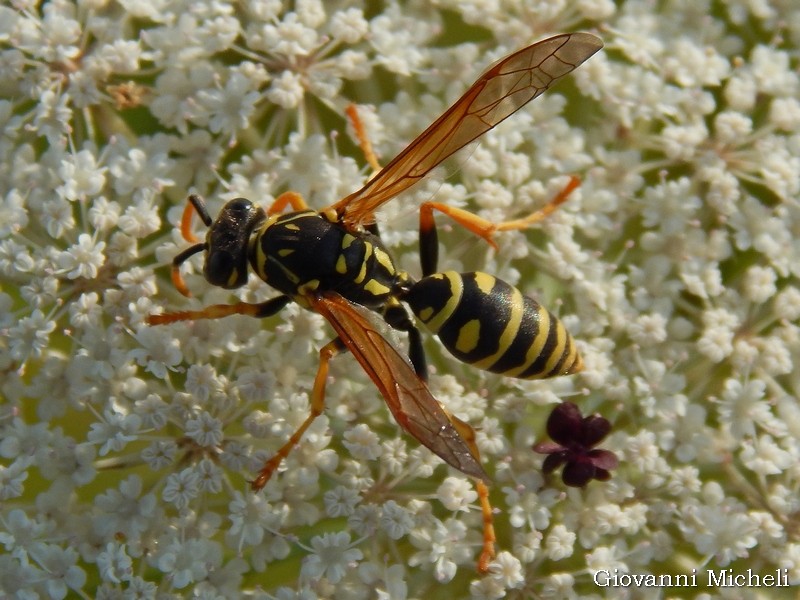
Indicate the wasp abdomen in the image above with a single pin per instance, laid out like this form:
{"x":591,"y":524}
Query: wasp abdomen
{"x":488,"y":323}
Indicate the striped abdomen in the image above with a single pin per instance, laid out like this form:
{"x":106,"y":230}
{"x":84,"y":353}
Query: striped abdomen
{"x":490,"y":324}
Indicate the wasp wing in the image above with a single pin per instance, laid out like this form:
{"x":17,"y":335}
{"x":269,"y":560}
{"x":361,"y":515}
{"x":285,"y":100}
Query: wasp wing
{"x":411,"y":402}
{"x":503,"y":89}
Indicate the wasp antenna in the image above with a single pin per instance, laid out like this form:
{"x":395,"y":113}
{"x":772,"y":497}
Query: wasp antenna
{"x":177,"y":278}
{"x":198,"y":204}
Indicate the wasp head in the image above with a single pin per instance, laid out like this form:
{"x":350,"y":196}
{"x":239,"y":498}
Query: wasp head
{"x":227,"y":242}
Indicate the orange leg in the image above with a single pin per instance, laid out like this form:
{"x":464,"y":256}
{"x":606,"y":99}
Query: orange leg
{"x":543,"y":212}
{"x":265,"y":309}
{"x":428,"y":238}
{"x":327,"y":352}
{"x":363,"y":139}
{"x":293,"y":199}
{"x":178,"y":282}
{"x":489,"y":538}
{"x":186,"y":224}
{"x":467,"y":433}
{"x":217,"y":311}
{"x":193,"y":203}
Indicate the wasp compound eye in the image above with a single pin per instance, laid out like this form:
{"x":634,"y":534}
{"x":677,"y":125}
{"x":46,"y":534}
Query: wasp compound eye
{"x":225,"y":270}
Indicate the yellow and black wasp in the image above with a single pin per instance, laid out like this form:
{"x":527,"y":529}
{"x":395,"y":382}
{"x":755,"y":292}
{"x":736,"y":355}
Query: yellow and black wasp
{"x":332,"y":261}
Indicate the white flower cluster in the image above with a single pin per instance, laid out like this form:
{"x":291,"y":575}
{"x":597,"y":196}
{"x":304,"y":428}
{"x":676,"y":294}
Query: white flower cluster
{"x":125,"y":449}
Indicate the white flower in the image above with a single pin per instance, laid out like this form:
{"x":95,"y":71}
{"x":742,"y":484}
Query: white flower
{"x":20,"y":578}
{"x":160,"y":454}
{"x":648,"y":329}
{"x":559,"y":585}
{"x":765,"y":457}
{"x":330,"y":556}
{"x":251,"y":517}
{"x":159,"y":351}
{"x":730,"y":126}
{"x":13,"y":213}
{"x":181,"y":488}
{"x":205,"y":430}
{"x":444,"y":547}
{"x":84,"y":259}
{"x":12,"y":479}
{"x":341,"y":501}
{"x":210,"y":476}
{"x":81,"y":175}
{"x":692,"y":65}
{"x":286,"y":90}
{"x":139,"y":170}
{"x":255,"y":385}
{"x":722,"y":533}
{"x":507,"y":570}
{"x":114,"y":563}
{"x":394,"y":456}
{"x":30,"y":335}
{"x":388,"y":583}
{"x":125,"y":511}
{"x":772,"y":72}
{"x":395,"y":520}
{"x":230,"y":108}
{"x":559,"y":542}
{"x":187,"y":561}
{"x":289,"y":37}
{"x":717,"y":340}
{"x":53,"y":117}
{"x":362,"y":443}
{"x":115,"y":431}
{"x":605,"y":558}
{"x":141,"y":218}
{"x":456,"y":494}
{"x":784,"y":113}
{"x":21,"y":533}
{"x":348,"y":25}
{"x":61,"y":570}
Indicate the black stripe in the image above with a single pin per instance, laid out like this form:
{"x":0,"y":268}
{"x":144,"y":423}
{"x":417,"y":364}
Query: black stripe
{"x":516,"y":354}
{"x":492,"y":311}
{"x":537,"y":367}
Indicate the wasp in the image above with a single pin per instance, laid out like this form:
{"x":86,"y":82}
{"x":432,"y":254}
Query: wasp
{"x":333,"y":261}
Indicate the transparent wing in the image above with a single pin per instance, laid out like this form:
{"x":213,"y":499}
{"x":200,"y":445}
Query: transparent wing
{"x":503,"y":89}
{"x":411,"y":402}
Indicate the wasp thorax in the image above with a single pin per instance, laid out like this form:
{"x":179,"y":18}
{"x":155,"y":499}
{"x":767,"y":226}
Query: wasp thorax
{"x":227,"y":242}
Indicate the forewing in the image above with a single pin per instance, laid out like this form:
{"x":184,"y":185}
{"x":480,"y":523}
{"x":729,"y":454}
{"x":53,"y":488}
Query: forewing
{"x":503,"y":89}
{"x":411,"y":402}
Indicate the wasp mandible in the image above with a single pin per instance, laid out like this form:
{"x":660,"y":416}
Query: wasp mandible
{"x":333,"y":261}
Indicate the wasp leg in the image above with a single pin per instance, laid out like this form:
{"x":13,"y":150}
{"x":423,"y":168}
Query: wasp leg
{"x":489,"y":538}
{"x":363,"y":140}
{"x":366,"y":148}
{"x":397,"y":317}
{"x":193,"y":202}
{"x":428,"y":237}
{"x":293,"y":199}
{"x":327,"y":352}
{"x":467,"y":433}
{"x":177,"y":278}
{"x":369,"y":153}
{"x":217,"y":311}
